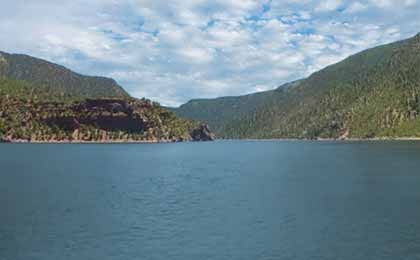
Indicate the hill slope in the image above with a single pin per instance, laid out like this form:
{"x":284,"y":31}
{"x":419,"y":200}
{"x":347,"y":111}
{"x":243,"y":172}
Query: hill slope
{"x":216,"y":112}
{"x":375,"y":93}
{"x":44,"y":102}
{"x":47,"y":75}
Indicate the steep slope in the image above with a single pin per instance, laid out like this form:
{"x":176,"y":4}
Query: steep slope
{"x":375,"y":93}
{"x":47,"y":75}
{"x":28,"y":115}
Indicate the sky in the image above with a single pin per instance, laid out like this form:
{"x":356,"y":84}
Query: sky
{"x":174,"y":51}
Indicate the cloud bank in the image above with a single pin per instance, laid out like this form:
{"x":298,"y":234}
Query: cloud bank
{"x":173,"y":51}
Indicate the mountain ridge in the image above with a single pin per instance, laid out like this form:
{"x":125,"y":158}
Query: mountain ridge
{"x":44,"y":74}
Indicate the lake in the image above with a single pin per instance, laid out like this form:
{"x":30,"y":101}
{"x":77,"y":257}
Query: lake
{"x":222,"y":200}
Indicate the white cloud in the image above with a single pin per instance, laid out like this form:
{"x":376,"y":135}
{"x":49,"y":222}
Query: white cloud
{"x":196,"y":54}
{"x":393,"y":3}
{"x":356,"y":7}
{"x":410,"y":2}
{"x":328,"y":5}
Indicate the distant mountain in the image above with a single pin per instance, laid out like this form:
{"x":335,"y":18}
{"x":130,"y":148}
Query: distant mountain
{"x":42,"y":74}
{"x":217,"y":112}
{"x":375,"y":93}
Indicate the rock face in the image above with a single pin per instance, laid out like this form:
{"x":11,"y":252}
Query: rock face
{"x":202,"y":134}
{"x":94,"y":120}
{"x":104,"y":114}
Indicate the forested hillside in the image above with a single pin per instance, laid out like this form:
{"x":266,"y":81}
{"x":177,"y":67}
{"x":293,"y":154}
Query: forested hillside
{"x":39,"y":116}
{"x":54,"y":104}
{"x":375,"y":93}
{"x":46,"y":75}
{"x":216,"y":112}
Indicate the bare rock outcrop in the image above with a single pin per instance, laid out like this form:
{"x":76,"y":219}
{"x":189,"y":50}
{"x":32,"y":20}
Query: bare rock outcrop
{"x":202,"y":134}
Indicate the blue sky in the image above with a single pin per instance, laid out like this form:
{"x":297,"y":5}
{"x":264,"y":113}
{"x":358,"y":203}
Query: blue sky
{"x":173,"y":51}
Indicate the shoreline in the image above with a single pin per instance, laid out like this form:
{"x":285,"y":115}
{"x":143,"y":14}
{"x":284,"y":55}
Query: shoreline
{"x":91,"y":142}
{"x":327,"y":139}
{"x":17,"y":141}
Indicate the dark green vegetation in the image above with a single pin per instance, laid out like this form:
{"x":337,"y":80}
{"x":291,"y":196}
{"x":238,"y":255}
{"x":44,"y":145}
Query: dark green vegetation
{"x":217,"y":112}
{"x":54,"y":104}
{"x":49,"y":76}
{"x":373,"y":94}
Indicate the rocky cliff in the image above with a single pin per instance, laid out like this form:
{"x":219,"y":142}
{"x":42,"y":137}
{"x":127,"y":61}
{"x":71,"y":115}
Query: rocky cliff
{"x":202,"y":133}
{"x":94,"y":120}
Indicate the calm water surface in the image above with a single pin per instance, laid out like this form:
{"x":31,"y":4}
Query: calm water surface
{"x":223,"y":200}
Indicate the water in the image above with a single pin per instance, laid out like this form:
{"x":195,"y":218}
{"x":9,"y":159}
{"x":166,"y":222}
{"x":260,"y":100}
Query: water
{"x":221,"y":200}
